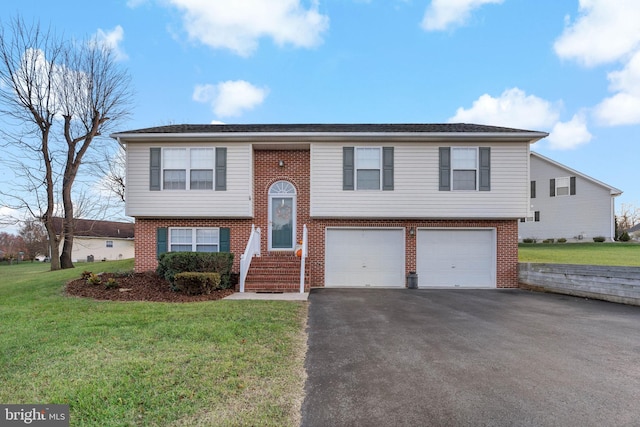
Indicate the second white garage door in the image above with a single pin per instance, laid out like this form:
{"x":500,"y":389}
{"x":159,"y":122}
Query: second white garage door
{"x":364,"y":257}
{"x":456,"y":258}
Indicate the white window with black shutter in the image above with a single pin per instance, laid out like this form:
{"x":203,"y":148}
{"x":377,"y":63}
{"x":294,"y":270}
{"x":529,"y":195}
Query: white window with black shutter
{"x":195,"y":168}
{"x":563,"y":186}
{"x":465,"y":169}
{"x":367,"y":168}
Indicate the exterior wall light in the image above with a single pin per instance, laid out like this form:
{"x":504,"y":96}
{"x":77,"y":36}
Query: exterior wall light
{"x":281,"y":163}
{"x":412,"y":231}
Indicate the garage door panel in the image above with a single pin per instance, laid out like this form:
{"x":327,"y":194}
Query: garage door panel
{"x":364,"y":257}
{"x":456,"y":258}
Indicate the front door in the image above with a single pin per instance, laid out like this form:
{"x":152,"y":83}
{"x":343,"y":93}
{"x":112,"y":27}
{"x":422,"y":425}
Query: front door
{"x":282,"y":216}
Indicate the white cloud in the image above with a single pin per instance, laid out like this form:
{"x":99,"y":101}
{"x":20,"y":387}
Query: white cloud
{"x":606,"y":31}
{"x":623,"y":108}
{"x":238,"y":25}
{"x":569,"y":135}
{"x":230,"y":98}
{"x":112,"y":39}
{"x":513,"y":108}
{"x":444,"y":14}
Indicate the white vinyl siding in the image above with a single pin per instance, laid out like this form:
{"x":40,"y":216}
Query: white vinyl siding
{"x":236,"y":201}
{"x":587,"y":214}
{"x":416,"y":185}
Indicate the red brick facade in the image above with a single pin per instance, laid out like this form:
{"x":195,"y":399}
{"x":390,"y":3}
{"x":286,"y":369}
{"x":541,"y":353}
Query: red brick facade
{"x":296,"y":171}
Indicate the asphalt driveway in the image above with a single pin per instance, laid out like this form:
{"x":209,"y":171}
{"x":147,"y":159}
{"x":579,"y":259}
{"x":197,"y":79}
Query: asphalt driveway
{"x":470,"y":358}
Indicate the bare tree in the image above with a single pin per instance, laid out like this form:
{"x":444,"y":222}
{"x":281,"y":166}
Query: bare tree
{"x":628,"y":216}
{"x":34,"y":237}
{"x":68,"y":95}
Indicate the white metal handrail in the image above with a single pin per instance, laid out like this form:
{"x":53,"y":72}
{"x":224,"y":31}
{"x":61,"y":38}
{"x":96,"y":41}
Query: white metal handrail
{"x":253,"y":249}
{"x":303,"y":255}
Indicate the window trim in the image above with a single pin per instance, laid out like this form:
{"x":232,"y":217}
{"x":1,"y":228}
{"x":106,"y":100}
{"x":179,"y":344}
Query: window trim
{"x":476,"y":168}
{"x":194,"y":242}
{"x":187,"y":171}
{"x":356,"y":168}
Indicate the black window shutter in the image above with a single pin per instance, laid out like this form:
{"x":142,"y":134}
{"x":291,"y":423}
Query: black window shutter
{"x":572,"y":186}
{"x":445,"y":168}
{"x":161,"y":241}
{"x":533,"y":189}
{"x":221,"y":169}
{"x":552,"y":187}
{"x":536,"y":216}
{"x":387,"y":168}
{"x":225,"y":239}
{"x":348,"y":164}
{"x":485,"y":169}
{"x":154,"y":168}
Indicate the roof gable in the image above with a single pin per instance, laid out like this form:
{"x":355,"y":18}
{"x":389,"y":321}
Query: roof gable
{"x":613,"y":190}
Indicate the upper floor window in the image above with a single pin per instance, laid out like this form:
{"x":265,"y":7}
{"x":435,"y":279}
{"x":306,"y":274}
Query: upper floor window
{"x":200,"y":168}
{"x":563,"y":186}
{"x":109,"y":243}
{"x":367,"y":168}
{"x":194,"y":239}
{"x":465,"y":168}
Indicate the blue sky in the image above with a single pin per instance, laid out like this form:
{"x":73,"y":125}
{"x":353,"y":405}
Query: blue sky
{"x":567,"y":67}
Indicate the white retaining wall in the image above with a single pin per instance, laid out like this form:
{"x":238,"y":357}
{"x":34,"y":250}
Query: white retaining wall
{"x":616,"y":284}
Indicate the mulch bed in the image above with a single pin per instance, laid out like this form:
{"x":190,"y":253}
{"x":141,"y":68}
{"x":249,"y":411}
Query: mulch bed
{"x":137,"y":287}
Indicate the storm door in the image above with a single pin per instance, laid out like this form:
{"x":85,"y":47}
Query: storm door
{"x":282,"y":216}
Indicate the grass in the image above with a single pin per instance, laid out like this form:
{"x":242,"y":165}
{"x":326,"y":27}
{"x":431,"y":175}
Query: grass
{"x":148,"y":364}
{"x":619,"y":254}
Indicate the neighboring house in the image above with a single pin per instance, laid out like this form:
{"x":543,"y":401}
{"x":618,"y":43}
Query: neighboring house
{"x":567,"y":204}
{"x":379,"y":201}
{"x":634,"y":232}
{"x":100,"y":240}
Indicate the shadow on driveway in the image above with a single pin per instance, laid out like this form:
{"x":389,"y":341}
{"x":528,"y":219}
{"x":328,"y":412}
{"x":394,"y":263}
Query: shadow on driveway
{"x":470,"y":358}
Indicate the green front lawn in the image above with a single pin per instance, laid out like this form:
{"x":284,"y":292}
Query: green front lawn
{"x":151,"y":364}
{"x":621,"y":254}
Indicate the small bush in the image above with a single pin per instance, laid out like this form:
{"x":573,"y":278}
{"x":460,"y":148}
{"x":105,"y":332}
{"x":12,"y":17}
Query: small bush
{"x":94,"y":279}
{"x":85,"y":275}
{"x":111,"y":283}
{"x":197,"y":283}
{"x":548,"y":241}
{"x":562,"y":240}
{"x":599,"y":239}
{"x":528,"y":241}
{"x":172,"y":263}
{"x":624,"y":237}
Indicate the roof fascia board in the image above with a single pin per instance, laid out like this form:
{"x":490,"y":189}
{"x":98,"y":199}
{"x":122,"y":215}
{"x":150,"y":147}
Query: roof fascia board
{"x":530,"y":137}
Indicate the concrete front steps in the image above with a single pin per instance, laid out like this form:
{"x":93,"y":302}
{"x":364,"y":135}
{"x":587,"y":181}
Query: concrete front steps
{"x":275,"y":272}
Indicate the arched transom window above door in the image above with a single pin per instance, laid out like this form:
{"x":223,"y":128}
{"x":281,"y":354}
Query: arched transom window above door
{"x":282,"y":188}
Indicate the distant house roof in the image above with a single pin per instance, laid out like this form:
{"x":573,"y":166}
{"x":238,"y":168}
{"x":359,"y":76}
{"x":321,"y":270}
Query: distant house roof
{"x":327,"y":130}
{"x":613,"y":190}
{"x":102,"y":229}
{"x":634,"y":228}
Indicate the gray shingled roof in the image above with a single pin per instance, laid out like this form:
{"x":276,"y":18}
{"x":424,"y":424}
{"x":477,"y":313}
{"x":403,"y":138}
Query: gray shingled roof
{"x":326,"y":128}
{"x":96,"y":228}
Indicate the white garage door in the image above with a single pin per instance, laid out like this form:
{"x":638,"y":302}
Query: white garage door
{"x":456,"y":258}
{"x":364,"y":257}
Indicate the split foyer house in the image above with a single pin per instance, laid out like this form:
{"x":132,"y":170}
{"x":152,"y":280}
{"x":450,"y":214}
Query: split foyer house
{"x":567,"y":204}
{"x":370,"y":202}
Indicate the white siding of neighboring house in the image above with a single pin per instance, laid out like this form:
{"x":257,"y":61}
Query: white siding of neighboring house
{"x":416,"y":194}
{"x":236,"y":201}
{"x":588,"y":213}
{"x":97,"y":246}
